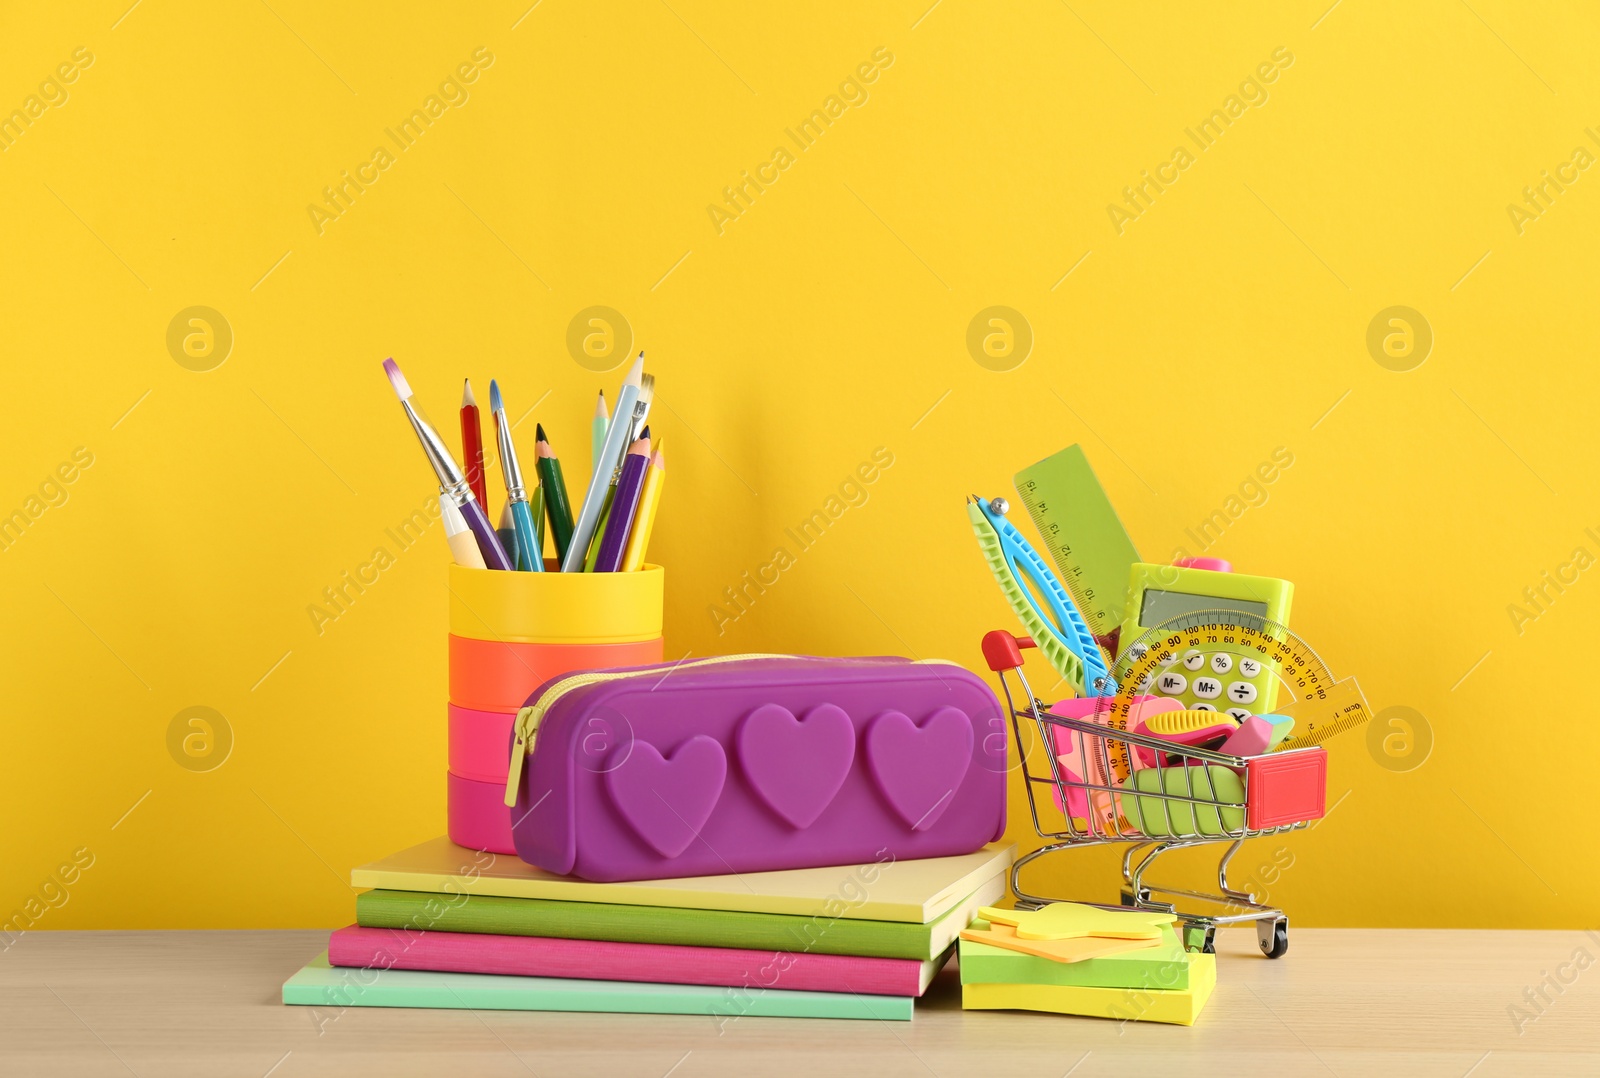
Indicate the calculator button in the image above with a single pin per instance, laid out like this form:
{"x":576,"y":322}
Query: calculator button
{"x":1208,"y":688}
{"x":1221,"y":664}
{"x":1249,"y":667}
{"x":1239,"y":713}
{"x":1241,"y":692}
{"x":1194,"y":660}
{"x":1202,"y":706}
{"x":1145,"y":683}
{"x":1172,"y":684}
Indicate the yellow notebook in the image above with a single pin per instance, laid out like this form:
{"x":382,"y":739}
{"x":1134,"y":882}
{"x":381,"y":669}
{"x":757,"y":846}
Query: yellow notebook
{"x":1179,"y":1007}
{"x":916,"y":892}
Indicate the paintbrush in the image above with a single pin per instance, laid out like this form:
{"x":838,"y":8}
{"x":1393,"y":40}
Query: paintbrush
{"x":463,"y":547}
{"x":506,"y":529}
{"x":641,"y":412}
{"x":452,"y":483}
{"x":636,"y":430}
{"x":529,"y":557}
{"x":583,"y":530}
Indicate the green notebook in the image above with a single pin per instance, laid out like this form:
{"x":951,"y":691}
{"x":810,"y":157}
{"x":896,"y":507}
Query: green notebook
{"x":421,"y":911}
{"x":1164,"y":967}
{"x":917,"y":890}
{"x":321,"y":985}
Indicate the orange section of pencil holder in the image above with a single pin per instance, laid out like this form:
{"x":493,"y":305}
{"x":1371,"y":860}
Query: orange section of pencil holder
{"x":493,"y":675}
{"x":555,"y":607}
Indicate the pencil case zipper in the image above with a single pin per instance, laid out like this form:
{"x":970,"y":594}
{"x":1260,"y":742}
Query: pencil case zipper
{"x":529,"y":716}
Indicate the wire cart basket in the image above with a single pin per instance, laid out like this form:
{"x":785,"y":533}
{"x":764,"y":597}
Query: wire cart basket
{"x":1174,"y":797}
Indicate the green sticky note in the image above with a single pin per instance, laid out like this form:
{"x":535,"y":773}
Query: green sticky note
{"x":1090,"y":547}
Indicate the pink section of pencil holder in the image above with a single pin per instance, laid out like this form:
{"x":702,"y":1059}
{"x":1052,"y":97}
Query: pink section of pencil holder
{"x":479,"y":818}
{"x":480,"y":743}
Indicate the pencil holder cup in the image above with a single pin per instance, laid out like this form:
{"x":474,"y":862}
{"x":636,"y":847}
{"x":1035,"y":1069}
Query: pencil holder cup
{"x":509,"y":633}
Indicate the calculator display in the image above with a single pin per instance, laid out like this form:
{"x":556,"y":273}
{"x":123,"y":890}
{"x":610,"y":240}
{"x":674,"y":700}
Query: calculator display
{"x":1161,"y":606}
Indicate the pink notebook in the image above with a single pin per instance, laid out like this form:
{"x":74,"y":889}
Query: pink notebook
{"x":537,"y":956}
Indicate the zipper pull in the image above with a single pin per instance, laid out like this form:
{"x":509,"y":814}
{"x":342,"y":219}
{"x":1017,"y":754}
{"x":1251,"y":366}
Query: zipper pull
{"x":527,"y":722}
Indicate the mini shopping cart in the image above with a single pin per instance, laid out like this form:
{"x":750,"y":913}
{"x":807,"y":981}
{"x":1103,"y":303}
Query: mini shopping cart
{"x":1181,"y":797}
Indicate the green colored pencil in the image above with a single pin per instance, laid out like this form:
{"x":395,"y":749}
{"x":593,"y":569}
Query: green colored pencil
{"x":555,"y":493}
{"x":538,"y":520}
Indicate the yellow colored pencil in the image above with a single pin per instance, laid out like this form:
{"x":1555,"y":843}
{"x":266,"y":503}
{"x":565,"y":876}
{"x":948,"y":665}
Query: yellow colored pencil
{"x":649,"y":501}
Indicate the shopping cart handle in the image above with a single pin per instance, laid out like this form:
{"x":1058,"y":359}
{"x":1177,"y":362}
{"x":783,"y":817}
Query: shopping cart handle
{"x":1002,"y":651}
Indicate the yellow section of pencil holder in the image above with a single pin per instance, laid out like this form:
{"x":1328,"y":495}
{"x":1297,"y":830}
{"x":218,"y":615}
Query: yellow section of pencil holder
{"x":556,"y":607}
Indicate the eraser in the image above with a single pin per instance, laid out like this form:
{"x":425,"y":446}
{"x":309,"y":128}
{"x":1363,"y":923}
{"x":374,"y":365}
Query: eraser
{"x":1282,"y":727}
{"x":1250,"y":739}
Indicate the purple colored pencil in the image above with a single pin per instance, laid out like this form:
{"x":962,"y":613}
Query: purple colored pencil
{"x":630,"y":484}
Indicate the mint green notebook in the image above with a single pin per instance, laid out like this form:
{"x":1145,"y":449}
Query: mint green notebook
{"x":420,"y":911}
{"x":1162,"y":967}
{"x":321,"y":985}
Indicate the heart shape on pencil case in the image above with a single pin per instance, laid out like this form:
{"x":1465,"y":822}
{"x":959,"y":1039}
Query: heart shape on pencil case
{"x":796,"y":766}
{"x":919,"y":768}
{"x":667,"y":800}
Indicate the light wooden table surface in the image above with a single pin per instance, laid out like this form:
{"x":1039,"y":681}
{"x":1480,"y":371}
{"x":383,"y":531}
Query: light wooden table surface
{"x":1343,"y":1002}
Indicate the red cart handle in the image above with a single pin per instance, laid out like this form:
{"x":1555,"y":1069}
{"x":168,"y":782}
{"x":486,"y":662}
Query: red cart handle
{"x":1002,"y":651}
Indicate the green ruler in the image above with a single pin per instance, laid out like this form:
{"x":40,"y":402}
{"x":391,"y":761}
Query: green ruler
{"x":1081,"y":531}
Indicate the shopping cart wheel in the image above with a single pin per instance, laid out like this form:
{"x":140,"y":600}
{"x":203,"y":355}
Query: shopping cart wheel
{"x":1201,"y":938}
{"x":1273,"y":936}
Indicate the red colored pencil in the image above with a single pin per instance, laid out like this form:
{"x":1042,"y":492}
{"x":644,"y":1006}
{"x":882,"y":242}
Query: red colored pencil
{"x":472,"y":443}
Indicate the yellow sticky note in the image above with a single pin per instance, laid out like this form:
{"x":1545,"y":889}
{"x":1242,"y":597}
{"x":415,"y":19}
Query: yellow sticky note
{"x":1073,"y":920}
{"x":1062,"y":950}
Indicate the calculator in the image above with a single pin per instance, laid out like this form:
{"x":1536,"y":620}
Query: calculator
{"x":1221,"y":678}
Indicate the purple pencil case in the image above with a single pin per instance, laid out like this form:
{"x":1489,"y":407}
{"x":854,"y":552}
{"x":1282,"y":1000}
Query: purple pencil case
{"x":750,"y":763}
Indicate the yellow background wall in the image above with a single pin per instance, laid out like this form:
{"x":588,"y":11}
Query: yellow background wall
{"x":827,"y":321}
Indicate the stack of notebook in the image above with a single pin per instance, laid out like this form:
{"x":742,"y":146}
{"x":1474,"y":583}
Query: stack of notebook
{"x":1073,"y":959}
{"x":445,"y":926}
